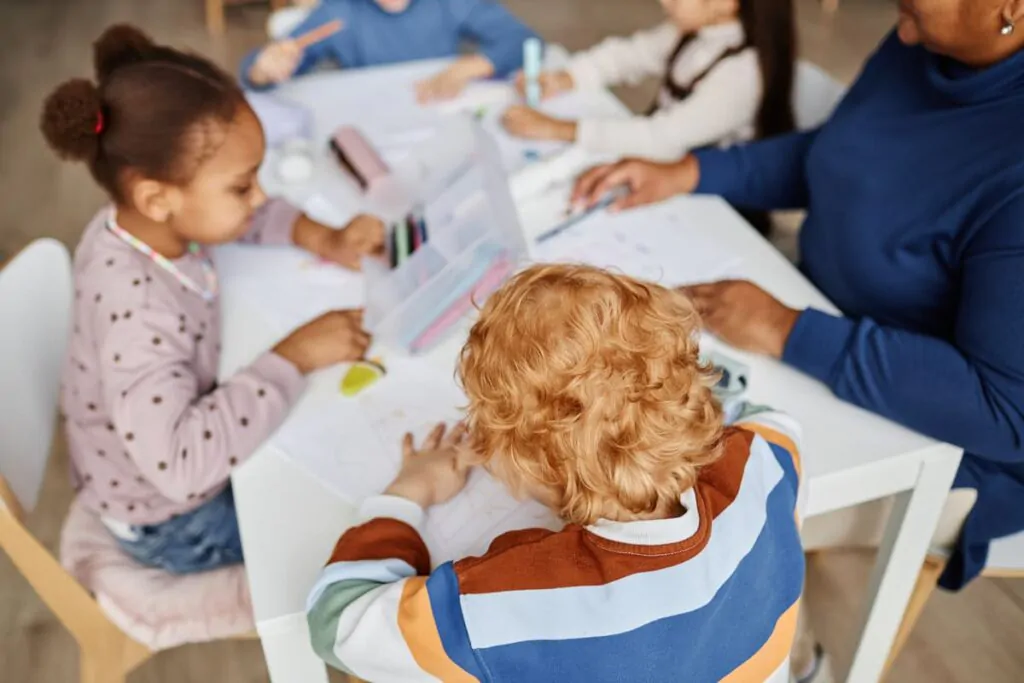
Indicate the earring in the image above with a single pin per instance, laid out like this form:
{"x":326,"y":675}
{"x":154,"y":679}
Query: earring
{"x":1007,"y":28}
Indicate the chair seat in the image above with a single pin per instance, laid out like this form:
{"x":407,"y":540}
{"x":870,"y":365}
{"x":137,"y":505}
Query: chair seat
{"x":1006,"y":555}
{"x":157,"y":609}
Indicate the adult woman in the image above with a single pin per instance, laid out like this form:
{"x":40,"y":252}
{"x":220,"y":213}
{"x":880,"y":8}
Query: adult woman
{"x":915,"y":229}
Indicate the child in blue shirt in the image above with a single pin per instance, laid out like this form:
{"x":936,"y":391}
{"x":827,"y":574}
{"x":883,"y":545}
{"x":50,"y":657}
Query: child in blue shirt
{"x":389,"y":31}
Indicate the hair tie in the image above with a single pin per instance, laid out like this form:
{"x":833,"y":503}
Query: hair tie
{"x":99,"y":123}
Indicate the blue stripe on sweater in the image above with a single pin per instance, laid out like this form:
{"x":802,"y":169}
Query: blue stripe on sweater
{"x":703,"y":645}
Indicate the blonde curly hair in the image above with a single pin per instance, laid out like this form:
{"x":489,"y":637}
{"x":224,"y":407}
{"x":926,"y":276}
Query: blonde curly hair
{"x":585,"y":390}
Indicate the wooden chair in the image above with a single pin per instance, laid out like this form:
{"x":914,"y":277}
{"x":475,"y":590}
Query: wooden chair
{"x":35,"y":306}
{"x":215,"y":14}
{"x":1005,"y":561}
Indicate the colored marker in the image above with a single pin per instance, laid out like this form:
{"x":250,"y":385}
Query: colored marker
{"x":393,"y":247}
{"x":322,"y":32}
{"x":576,"y":214}
{"x":532,"y":56}
{"x":401,"y":244}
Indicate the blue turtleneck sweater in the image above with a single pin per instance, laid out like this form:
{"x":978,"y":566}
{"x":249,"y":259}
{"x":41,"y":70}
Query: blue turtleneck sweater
{"x":426,"y":29}
{"x":915,"y":230}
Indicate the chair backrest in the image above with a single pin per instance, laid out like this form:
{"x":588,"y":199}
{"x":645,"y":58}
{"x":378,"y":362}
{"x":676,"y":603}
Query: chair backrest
{"x":815,"y":95}
{"x":35,"y":316}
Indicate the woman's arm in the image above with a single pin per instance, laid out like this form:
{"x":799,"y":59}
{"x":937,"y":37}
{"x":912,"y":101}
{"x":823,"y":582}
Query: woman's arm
{"x":629,"y":60}
{"x":724,"y":101}
{"x":969,"y":392}
{"x":765,"y":175}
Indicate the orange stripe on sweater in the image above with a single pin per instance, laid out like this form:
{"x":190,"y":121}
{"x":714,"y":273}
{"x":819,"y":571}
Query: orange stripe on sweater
{"x":418,"y":627}
{"x":772,"y":654}
{"x":779,"y":439}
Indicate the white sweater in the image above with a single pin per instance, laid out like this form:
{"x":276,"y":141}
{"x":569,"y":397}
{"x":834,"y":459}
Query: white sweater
{"x":721,"y":110}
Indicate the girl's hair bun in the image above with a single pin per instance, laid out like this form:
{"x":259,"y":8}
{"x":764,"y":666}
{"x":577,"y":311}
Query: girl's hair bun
{"x":72,"y":120}
{"x":119,"y":46}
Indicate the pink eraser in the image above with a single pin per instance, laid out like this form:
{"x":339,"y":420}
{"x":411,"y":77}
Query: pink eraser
{"x":358,"y":157}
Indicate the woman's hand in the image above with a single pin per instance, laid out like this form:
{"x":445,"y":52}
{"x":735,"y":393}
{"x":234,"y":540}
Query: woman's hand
{"x":276,"y":63}
{"x":531,"y":124}
{"x":551,"y":83}
{"x":334,"y":337}
{"x":453,"y":80}
{"x":363,"y":236}
{"x":648,"y":182}
{"x":435,"y":472}
{"x":743,"y":315}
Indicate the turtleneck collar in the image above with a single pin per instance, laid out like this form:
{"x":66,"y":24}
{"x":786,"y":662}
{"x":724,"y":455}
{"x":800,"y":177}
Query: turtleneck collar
{"x":968,"y":85}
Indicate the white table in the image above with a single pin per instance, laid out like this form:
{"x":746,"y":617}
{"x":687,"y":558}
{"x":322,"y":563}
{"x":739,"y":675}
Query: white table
{"x":290,"y":521}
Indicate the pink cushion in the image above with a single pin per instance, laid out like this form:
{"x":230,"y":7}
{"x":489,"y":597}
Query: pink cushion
{"x":157,"y":609}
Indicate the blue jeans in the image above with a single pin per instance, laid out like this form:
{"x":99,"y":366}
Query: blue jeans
{"x":203,"y":539}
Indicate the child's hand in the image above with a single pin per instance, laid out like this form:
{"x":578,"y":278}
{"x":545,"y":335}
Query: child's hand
{"x":551,"y":83}
{"x":450,"y":82}
{"x":334,"y":337}
{"x":276,"y":63}
{"x":525,"y":122}
{"x":435,"y":472}
{"x":363,"y":236}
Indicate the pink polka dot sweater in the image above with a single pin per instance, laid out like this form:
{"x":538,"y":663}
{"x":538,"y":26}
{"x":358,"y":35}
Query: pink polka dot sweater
{"x":150,"y":431}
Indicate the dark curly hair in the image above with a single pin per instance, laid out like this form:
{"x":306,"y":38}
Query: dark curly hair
{"x":153,"y":111}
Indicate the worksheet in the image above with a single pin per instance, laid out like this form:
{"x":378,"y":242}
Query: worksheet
{"x":653,"y":243}
{"x":353,"y":445}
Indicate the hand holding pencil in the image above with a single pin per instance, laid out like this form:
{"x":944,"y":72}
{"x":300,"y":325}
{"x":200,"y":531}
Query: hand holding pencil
{"x":278,"y":61}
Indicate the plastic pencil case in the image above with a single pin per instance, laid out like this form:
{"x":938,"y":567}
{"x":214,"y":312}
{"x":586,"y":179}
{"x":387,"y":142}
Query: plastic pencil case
{"x":358,"y":157}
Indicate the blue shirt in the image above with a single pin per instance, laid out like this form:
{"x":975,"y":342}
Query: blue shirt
{"x":427,"y":29}
{"x":915,"y":230}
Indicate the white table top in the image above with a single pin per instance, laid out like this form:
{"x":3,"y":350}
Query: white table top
{"x":290,"y":521}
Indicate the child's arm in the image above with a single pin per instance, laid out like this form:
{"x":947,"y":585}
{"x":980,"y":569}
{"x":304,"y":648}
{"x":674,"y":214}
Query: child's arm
{"x":186,"y":438}
{"x":724,"y":101}
{"x":625,"y":60}
{"x":497,"y":32}
{"x":374,"y":612}
{"x":277,"y":222}
{"x":312,"y":55}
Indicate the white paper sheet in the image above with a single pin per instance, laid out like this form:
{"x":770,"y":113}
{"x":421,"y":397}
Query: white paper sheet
{"x":287,"y":285}
{"x":653,"y":243}
{"x":353,"y":445}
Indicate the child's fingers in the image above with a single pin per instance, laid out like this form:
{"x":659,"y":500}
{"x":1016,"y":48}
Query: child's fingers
{"x":408,"y":450}
{"x":433,"y":440}
{"x":457,"y":434}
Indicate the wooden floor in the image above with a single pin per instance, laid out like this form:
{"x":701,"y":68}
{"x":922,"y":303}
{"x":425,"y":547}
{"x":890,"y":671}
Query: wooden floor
{"x":975,"y":636}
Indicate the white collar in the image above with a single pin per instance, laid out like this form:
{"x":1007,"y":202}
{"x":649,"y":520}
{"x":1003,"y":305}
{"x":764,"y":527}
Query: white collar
{"x":729,"y":32}
{"x":653,"y":531}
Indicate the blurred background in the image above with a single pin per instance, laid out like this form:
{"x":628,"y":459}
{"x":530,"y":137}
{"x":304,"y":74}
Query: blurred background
{"x":971,"y":637}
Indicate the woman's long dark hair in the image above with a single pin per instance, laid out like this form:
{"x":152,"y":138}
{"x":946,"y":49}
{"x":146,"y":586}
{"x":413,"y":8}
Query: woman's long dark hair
{"x":770,"y":30}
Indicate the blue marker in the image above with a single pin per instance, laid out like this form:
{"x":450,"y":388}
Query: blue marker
{"x":532,"y":55}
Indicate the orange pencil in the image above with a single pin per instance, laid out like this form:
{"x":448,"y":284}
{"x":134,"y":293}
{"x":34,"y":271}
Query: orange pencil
{"x":319,"y":33}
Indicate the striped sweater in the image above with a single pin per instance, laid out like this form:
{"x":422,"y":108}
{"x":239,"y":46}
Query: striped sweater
{"x":708,"y":596}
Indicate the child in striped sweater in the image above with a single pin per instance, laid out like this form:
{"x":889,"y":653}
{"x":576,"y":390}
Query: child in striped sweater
{"x":680,"y":557}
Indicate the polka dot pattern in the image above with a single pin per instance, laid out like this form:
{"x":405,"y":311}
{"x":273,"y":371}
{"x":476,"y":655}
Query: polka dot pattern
{"x":142,"y":342}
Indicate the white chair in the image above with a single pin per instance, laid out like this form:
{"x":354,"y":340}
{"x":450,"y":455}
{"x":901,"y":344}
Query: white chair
{"x":815,"y":95}
{"x":119,"y":612}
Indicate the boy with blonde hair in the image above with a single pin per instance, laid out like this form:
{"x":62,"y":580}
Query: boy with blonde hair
{"x":680,"y":558}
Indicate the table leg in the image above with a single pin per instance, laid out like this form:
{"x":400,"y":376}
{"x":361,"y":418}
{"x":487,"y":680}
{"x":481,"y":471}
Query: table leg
{"x":290,"y":658}
{"x":908,"y":533}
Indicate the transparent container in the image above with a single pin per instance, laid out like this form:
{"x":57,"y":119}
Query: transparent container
{"x":474,"y":242}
